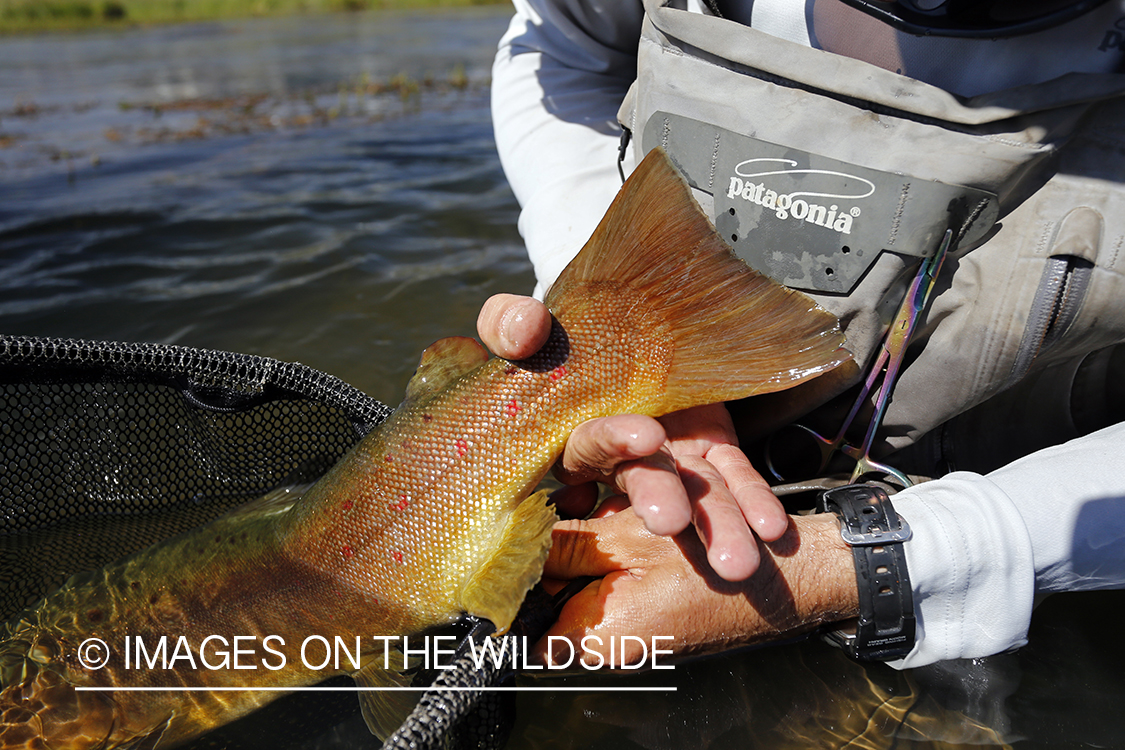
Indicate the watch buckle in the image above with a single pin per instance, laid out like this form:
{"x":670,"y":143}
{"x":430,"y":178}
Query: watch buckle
{"x":875,"y":536}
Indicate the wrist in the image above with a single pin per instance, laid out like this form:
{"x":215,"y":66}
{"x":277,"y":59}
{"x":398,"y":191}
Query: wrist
{"x":823,"y":578}
{"x":805,"y":579}
{"x":869,"y":525}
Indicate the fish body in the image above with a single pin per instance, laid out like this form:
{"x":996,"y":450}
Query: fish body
{"x":428,"y":517}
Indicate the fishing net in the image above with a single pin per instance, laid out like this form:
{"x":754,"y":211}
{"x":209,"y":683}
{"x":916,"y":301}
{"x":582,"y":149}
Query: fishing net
{"x":108,"y":448}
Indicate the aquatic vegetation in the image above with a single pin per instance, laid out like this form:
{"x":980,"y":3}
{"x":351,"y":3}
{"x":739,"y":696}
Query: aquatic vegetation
{"x":22,"y":16}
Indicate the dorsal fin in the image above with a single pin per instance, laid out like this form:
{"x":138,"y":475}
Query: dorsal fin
{"x":735,"y":332}
{"x":442,"y":362}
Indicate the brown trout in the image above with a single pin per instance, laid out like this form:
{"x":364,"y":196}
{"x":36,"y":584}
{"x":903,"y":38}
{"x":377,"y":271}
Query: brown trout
{"x":429,"y":516}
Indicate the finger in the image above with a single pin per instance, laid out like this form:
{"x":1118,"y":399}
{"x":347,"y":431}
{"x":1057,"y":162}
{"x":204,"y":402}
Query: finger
{"x":695,"y":430}
{"x":597,"y":447}
{"x":575,"y":501}
{"x":656,"y":492}
{"x":760,"y":507}
{"x":512,"y":326}
{"x":732,"y":550}
{"x":579,"y":614}
{"x":578,"y":550}
{"x":611,"y":505}
{"x":595,"y":619}
{"x":618,"y":541}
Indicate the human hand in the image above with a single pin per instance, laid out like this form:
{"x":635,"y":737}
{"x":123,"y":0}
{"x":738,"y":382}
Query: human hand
{"x":682,"y":469}
{"x":512,"y":326}
{"x":652,"y":585}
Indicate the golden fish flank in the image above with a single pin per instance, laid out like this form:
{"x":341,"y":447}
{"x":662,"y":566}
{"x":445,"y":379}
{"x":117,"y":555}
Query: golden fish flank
{"x":426,"y":518}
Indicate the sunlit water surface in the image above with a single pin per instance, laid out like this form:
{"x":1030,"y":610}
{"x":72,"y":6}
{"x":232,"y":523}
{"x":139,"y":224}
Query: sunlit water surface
{"x":327,"y":191}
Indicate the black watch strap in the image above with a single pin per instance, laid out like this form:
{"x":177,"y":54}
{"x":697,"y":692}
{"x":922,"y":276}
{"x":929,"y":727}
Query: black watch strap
{"x":869,"y":524}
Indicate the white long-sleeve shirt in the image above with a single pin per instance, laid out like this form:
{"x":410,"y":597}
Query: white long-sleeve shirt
{"x":564,"y":66}
{"x":984,"y":546}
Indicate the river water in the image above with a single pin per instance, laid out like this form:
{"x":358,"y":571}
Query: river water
{"x":326,"y":190}
{"x":317,"y":190}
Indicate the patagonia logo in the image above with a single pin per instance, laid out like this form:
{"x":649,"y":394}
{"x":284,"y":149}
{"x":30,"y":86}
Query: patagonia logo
{"x":764,"y":182}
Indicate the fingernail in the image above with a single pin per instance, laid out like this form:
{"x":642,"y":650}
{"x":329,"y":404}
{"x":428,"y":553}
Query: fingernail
{"x":512,"y":322}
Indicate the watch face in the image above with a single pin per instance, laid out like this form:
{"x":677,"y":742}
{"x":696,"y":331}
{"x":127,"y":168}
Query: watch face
{"x":969,"y":18}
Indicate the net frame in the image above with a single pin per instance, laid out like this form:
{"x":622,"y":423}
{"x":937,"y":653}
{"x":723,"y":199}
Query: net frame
{"x":109,"y":447}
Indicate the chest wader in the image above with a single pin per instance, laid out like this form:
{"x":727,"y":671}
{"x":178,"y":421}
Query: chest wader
{"x":839,"y":178}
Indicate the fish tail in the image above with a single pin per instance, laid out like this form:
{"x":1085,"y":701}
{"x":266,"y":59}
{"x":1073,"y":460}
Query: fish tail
{"x":734,"y":332}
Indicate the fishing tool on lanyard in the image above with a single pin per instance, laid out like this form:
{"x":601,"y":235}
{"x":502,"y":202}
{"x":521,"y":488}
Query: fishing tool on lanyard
{"x":887,"y":365}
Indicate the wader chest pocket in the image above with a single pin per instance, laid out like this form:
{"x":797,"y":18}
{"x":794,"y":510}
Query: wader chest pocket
{"x":809,"y":221}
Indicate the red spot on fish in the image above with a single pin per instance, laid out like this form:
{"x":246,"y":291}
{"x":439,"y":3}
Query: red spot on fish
{"x":462,"y":447}
{"x":388,"y":458}
{"x":558,"y":372}
{"x":397,"y":556}
{"x":427,"y":418}
{"x":510,"y":370}
{"x":347,"y":552}
{"x":513,"y":408}
{"x":347,"y":505}
{"x":401,"y":504}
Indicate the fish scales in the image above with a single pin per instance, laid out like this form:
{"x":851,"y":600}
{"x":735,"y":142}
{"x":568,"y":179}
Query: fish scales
{"x":429,"y":517}
{"x":436,"y":478}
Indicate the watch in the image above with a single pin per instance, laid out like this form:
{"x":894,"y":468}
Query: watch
{"x":885,"y":628}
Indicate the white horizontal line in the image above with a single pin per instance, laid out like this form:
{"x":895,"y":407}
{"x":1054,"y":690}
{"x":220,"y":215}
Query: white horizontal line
{"x":358,"y":689}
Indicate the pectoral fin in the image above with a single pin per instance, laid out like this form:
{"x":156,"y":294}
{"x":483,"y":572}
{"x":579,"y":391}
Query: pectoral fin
{"x":384,"y":708}
{"x":496,"y":591}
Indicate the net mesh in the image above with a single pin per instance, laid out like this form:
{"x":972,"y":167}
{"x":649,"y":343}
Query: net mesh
{"x":108,"y":448}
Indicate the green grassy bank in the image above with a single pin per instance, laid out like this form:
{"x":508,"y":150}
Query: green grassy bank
{"x":27,"y":16}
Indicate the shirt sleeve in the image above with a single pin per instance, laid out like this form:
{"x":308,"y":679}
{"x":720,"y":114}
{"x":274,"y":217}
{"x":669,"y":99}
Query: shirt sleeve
{"x":985,"y":546}
{"x":560,"y":74}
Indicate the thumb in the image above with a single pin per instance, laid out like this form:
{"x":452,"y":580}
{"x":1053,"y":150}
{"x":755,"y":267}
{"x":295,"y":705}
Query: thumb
{"x":513,"y":327}
{"x":600,"y":546}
